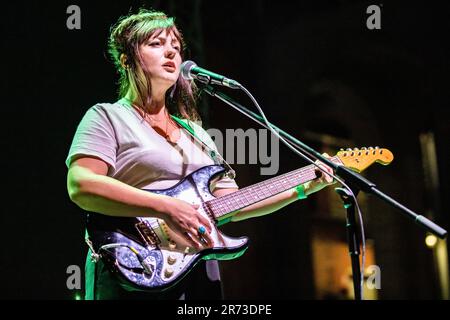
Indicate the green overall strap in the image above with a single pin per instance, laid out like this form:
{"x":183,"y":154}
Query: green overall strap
{"x":215,"y":156}
{"x":186,"y":126}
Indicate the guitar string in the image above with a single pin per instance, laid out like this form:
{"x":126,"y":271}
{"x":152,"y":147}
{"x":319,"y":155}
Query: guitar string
{"x":296,"y":175}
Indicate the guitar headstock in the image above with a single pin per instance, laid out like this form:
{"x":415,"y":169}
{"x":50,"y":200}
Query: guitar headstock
{"x":359,"y":159}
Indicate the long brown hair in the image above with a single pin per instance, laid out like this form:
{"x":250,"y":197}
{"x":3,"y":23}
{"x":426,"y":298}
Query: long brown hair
{"x":125,"y":38}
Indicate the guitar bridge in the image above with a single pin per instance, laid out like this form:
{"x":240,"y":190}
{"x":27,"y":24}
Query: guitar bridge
{"x":147,"y":233}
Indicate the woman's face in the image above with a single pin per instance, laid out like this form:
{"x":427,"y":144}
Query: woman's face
{"x":161,"y":58}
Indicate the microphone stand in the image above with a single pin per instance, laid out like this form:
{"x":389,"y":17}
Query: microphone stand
{"x":354,"y":180}
{"x":352,"y":237}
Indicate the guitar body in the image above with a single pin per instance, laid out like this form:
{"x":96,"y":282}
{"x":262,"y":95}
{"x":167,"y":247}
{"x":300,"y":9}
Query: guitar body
{"x":146,"y":254}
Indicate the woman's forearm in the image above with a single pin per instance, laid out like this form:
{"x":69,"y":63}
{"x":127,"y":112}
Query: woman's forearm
{"x":266,"y":206}
{"x":105,"y":195}
{"x":276,"y":202}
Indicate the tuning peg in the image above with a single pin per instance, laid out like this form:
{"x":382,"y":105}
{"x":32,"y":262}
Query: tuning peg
{"x":377,"y":147}
{"x":364,"y":148}
{"x":348,"y":149}
{"x":355,"y":149}
{"x":341,"y":149}
{"x":370,"y":148}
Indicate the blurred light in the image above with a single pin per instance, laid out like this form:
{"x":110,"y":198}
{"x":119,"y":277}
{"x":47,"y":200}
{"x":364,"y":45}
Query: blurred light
{"x":431,"y":240}
{"x":77,"y":297}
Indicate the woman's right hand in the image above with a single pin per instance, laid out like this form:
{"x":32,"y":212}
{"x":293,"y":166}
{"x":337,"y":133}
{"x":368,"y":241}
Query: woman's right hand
{"x":183,"y":218}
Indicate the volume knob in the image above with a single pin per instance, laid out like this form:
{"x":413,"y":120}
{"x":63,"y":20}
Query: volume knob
{"x":172,"y":245}
{"x":168,"y":272}
{"x":171,"y":259}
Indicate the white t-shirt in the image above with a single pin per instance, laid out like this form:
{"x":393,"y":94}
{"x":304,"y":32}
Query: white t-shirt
{"x":136,"y":154}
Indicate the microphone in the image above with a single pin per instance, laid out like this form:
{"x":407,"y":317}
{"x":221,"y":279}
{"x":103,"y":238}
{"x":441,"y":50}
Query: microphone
{"x":190,"y":70}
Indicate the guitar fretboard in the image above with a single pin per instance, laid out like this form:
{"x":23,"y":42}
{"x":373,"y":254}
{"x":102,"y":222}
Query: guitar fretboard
{"x":255,"y":193}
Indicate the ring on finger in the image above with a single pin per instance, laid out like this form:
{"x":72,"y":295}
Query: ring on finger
{"x":201,"y":230}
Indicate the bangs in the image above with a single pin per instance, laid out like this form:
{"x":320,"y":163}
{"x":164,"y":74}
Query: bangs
{"x":150,"y":28}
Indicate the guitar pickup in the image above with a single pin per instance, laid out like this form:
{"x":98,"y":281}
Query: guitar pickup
{"x":147,"y":233}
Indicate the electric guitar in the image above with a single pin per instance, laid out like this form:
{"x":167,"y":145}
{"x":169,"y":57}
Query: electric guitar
{"x":147,"y":255}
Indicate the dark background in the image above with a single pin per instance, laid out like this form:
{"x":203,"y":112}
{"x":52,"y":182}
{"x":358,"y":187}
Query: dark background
{"x":314,"y":68}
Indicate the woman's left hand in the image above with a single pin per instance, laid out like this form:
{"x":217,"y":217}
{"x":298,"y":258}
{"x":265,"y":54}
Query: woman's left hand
{"x":323,"y":179}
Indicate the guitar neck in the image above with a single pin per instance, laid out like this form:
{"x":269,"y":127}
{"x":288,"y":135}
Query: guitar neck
{"x":228,"y":205}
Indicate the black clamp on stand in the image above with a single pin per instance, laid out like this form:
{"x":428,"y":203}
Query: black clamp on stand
{"x":352,"y":238}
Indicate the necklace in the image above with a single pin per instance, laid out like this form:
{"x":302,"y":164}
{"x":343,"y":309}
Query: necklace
{"x":157,"y":125}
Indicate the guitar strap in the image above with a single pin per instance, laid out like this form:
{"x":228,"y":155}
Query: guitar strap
{"x":215,"y":156}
